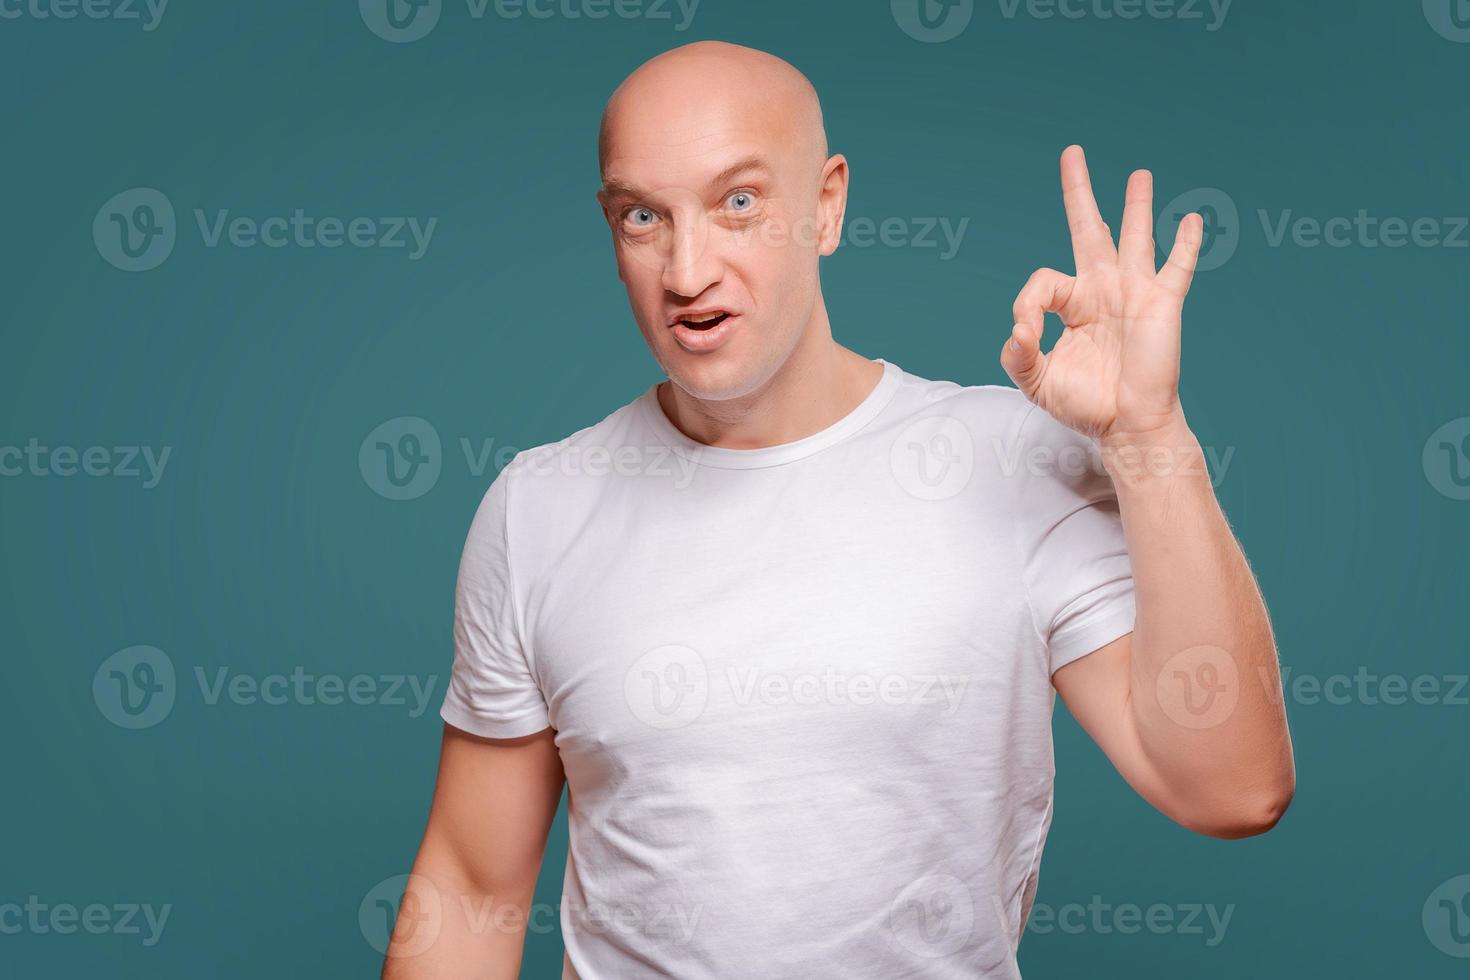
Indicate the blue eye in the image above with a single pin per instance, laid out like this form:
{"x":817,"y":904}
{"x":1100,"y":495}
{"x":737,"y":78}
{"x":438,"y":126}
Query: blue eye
{"x":640,"y":217}
{"x":741,"y":201}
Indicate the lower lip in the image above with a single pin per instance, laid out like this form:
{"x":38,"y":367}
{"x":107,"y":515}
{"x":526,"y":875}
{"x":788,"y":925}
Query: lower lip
{"x":703,"y":341}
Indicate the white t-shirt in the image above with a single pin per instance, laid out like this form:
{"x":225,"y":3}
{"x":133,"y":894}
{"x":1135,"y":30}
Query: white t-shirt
{"x":801,"y":693}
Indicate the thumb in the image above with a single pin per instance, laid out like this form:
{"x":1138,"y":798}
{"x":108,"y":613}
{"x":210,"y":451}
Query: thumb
{"x":1023,"y":360}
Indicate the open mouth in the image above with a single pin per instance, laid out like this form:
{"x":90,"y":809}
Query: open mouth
{"x":706,"y":322}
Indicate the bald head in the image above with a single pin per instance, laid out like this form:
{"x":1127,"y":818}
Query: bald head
{"x":688,"y":93}
{"x":721,"y":199}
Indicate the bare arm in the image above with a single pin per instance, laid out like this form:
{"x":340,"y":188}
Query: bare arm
{"x":465,"y":910}
{"x":1188,"y":706}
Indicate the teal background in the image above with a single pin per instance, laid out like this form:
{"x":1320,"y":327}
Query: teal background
{"x":264,"y":549}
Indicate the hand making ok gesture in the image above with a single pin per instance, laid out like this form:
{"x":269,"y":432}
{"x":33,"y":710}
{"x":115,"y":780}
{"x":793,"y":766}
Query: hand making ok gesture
{"x":1114,"y":373}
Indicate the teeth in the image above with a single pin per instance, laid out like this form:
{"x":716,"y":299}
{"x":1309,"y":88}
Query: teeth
{"x":705,"y":319}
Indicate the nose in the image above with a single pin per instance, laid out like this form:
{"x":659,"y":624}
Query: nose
{"x":691,"y":265}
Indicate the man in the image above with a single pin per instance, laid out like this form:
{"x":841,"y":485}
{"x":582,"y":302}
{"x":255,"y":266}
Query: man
{"x":790,"y":624}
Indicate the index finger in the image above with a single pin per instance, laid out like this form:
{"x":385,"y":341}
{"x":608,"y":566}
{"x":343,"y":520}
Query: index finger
{"x":1092,"y":242}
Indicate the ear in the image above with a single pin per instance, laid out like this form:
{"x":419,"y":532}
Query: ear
{"x":832,"y":203}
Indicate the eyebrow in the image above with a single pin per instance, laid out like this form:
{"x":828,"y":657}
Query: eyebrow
{"x":751,"y":164}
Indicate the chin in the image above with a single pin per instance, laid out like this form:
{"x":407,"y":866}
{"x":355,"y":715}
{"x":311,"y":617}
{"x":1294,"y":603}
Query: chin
{"x":709,"y":382}
{"x":718,"y":376}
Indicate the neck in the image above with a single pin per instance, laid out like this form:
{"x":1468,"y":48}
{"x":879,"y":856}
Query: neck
{"x":819,"y":383}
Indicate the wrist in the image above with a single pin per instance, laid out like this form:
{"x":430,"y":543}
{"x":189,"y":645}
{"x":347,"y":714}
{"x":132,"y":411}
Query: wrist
{"x":1162,"y":452}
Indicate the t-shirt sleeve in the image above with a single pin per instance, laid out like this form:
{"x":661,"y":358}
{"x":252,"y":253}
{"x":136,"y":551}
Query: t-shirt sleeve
{"x":1075,"y":560}
{"x":492,"y":690}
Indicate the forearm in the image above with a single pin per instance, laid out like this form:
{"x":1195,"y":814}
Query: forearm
{"x":1204,"y":688}
{"x":451,"y":929}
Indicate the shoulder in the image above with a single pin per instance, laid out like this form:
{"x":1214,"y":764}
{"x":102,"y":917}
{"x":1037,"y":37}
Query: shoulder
{"x":548,"y":482}
{"x":1006,"y":435}
{"x":987,"y":411}
{"x":580,"y":452}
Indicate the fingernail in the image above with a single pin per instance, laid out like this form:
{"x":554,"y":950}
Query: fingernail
{"x":1015,"y":344}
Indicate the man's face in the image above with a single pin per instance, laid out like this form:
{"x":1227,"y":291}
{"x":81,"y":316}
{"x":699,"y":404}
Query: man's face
{"x":718,"y":223}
